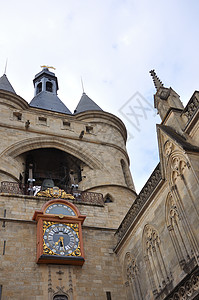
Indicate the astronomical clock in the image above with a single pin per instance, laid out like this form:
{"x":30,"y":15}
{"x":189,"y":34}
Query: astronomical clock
{"x":59,"y":233}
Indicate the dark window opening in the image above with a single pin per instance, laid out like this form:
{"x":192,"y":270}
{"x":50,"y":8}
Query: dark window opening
{"x":66,"y":124}
{"x":39,"y":88}
{"x":108,"y":198}
{"x":17,"y":116}
{"x":108,"y":295}
{"x":43,"y":120}
{"x":0,"y":291}
{"x":89,"y":129}
{"x":49,"y":86}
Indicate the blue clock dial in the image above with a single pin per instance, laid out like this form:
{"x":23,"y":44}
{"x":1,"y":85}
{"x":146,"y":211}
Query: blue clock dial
{"x":61,"y":239}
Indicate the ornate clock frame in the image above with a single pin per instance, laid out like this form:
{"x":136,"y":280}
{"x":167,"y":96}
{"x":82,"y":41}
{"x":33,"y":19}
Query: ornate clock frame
{"x":74,"y":221}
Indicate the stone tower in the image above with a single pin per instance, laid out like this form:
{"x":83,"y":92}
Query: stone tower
{"x":46,"y":154}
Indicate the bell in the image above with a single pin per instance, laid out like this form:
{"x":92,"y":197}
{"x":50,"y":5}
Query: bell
{"x":47,"y":183}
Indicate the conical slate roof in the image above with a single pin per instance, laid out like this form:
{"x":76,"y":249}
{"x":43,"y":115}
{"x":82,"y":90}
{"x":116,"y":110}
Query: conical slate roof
{"x":49,"y":101}
{"x":86,"y":104}
{"x":6,"y":85}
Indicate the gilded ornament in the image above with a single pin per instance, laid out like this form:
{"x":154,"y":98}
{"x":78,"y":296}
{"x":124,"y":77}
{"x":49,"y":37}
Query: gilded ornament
{"x":55,"y":192}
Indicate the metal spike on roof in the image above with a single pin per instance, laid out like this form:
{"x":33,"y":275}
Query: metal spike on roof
{"x":5,"y":84}
{"x":157,"y":82}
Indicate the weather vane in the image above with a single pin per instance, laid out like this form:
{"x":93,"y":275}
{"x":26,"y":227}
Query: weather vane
{"x":48,"y":67}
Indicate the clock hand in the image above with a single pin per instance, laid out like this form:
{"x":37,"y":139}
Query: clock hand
{"x":56,"y":243}
{"x":61,"y":241}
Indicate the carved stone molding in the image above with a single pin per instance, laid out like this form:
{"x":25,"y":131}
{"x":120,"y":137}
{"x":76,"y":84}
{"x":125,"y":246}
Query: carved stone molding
{"x":191,"y":108}
{"x":178,"y":166}
{"x":188,"y":289}
{"x":60,"y":284}
{"x":168,"y":148}
{"x":139,"y":203}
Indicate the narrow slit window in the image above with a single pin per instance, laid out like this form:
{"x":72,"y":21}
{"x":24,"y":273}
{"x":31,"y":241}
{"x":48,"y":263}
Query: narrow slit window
{"x":108,"y":295}
{"x":4,"y":247}
{"x":0,"y":291}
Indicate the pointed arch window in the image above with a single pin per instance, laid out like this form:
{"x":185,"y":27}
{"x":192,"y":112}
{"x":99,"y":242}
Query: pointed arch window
{"x":108,"y":198}
{"x":132,"y":280}
{"x":156,"y":268}
{"x":178,"y":234}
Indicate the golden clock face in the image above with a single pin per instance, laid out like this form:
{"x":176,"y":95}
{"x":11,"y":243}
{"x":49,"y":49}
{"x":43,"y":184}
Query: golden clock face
{"x":61,"y":239}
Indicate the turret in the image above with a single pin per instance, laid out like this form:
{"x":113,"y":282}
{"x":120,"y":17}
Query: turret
{"x":46,"y":87}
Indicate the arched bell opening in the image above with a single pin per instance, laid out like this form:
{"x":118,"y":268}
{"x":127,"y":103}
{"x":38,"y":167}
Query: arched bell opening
{"x":49,"y":167}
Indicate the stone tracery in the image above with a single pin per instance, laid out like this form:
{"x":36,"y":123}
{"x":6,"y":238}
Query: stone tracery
{"x":155,"y":265}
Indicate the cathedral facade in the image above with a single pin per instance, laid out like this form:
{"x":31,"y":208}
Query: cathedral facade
{"x":71,"y":224}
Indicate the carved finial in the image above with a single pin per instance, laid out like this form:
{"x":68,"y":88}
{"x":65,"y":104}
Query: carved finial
{"x":157,"y":82}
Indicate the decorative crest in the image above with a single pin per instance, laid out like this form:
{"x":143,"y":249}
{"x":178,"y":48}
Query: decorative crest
{"x":48,"y":67}
{"x":157,"y":82}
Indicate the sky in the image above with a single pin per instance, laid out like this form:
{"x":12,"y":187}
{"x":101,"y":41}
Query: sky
{"x":112,"y":45}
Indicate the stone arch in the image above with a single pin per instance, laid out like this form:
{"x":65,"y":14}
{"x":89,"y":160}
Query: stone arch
{"x":30,"y":144}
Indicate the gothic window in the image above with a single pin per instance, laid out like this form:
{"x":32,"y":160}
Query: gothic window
{"x":157,"y":272}
{"x":39,"y":88}
{"x":132,"y":280}
{"x":49,"y":87}
{"x":179,"y":233}
{"x":180,"y":225}
{"x":175,"y":230}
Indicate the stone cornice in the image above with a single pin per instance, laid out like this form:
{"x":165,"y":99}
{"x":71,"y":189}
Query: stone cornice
{"x":138,"y":204}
